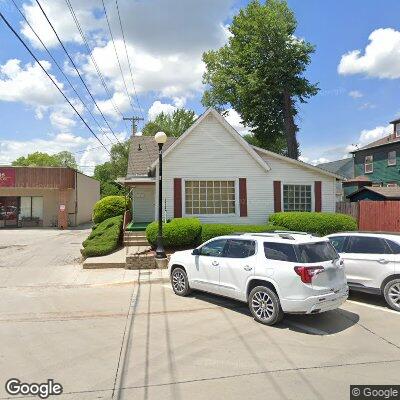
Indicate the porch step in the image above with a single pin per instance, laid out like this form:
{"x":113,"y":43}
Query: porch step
{"x":135,"y":239}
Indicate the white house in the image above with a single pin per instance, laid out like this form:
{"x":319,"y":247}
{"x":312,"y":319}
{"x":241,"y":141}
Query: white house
{"x":212,"y":173}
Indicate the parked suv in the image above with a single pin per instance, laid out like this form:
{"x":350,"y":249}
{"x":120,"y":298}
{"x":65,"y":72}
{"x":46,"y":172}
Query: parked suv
{"x":372,"y":263}
{"x":274,"y":273}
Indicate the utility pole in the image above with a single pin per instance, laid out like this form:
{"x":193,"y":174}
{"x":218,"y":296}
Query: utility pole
{"x":133,"y":120}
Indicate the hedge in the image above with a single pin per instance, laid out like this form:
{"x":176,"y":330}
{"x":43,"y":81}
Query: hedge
{"x":104,"y":238}
{"x":210,"y":231}
{"x":179,"y":233}
{"x":318,"y":223}
{"x":109,"y":206}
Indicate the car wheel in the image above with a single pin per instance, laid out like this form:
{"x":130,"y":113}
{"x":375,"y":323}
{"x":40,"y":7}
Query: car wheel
{"x":391,"y":292}
{"x":180,"y":282}
{"x":265,"y":306}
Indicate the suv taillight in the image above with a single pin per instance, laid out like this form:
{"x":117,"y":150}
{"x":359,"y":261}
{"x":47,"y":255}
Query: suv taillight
{"x":307,"y":273}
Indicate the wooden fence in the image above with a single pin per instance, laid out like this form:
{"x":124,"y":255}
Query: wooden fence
{"x":373,"y":215}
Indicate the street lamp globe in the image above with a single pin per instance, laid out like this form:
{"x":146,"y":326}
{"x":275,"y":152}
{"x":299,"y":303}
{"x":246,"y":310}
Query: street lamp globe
{"x":160,"y":137}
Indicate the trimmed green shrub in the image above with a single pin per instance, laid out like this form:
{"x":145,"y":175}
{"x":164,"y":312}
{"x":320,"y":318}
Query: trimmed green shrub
{"x":104,"y":238}
{"x":109,"y":206}
{"x":180,"y":232}
{"x":210,"y":231}
{"x":318,"y":223}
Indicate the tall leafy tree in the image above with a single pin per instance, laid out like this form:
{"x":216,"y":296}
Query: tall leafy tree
{"x":40,"y":159}
{"x":108,"y":172}
{"x":260,"y":73}
{"x":172,"y":124}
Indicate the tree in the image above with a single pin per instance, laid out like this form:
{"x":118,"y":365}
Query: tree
{"x":108,"y":172}
{"x":172,"y":124}
{"x":260,"y":73}
{"x":39,"y":159}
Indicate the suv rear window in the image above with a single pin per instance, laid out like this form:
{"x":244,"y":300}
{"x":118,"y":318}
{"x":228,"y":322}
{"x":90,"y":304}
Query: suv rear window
{"x":316,"y":252}
{"x":279,"y":251}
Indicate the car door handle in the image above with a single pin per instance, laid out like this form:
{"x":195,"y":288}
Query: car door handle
{"x":215,"y":263}
{"x":247,"y":268}
{"x":383,"y":261}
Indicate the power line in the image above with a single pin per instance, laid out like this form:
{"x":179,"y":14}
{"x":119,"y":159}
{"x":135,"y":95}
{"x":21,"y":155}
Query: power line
{"x":76,"y":69}
{"x":52,"y":80}
{"x":116,"y":54}
{"x":89,"y":50}
{"x":127,"y":57}
{"x":60,"y":69}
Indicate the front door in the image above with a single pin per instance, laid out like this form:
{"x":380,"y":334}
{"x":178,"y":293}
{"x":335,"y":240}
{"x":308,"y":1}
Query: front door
{"x":143,"y":203}
{"x":207,"y":266}
{"x":236,"y":267}
{"x":9,"y":209}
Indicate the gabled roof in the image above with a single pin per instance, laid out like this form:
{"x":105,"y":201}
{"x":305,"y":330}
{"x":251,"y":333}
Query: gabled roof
{"x":386,"y":192}
{"x":228,"y":127}
{"x":389,"y":139}
{"x":344,"y":167}
{"x":142,"y":153}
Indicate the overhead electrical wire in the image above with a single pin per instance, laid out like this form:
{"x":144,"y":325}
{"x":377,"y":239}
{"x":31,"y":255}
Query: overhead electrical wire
{"x":116,"y":54}
{"x":90,"y":52}
{"x":129,"y":62}
{"x":61,"y":70}
{"x":52,"y":80}
{"x":76,"y":69}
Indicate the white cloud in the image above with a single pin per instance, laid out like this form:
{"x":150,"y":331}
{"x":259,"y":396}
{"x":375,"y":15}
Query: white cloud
{"x":355,"y":94}
{"x":157,"y":108}
{"x":370,"y":135}
{"x":28,"y":84}
{"x":381,"y":58}
{"x":367,"y":106}
{"x":119,"y":99}
{"x":235,"y":120}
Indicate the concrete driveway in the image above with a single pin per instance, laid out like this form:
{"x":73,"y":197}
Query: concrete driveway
{"x":117,"y":334}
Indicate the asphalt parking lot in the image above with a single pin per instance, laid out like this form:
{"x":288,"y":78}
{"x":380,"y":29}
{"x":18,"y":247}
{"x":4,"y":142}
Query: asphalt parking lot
{"x":107,"y":336}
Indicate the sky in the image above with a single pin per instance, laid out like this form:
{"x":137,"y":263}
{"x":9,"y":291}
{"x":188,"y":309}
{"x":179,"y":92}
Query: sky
{"x":356,"y":65}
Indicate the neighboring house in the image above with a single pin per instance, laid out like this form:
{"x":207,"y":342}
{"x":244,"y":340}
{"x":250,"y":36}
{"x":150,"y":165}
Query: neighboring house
{"x":380,"y":160}
{"x":376,"y":193}
{"x":212,"y":173}
{"x":345,"y":168}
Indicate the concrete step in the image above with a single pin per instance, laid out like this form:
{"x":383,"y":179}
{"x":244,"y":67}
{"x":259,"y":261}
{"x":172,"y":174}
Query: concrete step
{"x":133,"y":242}
{"x":131,"y":234}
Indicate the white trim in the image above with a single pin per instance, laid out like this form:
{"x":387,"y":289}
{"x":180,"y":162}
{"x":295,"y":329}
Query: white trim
{"x":228,"y":127}
{"x":183,"y":200}
{"x":397,"y":129}
{"x":370,"y":163}
{"x":312,"y":184}
{"x":391,"y":164}
{"x":298,"y":163}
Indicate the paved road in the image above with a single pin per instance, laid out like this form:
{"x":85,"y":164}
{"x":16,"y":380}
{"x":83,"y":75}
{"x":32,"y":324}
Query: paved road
{"x":112,"y":335}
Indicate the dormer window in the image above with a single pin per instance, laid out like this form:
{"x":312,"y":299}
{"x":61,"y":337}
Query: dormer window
{"x":369,"y":164}
{"x":397,"y":129}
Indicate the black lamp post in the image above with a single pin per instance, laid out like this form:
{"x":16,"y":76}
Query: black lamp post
{"x":160,"y":138}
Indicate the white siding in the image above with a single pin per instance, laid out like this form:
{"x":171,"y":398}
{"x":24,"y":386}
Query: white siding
{"x":210,"y":151}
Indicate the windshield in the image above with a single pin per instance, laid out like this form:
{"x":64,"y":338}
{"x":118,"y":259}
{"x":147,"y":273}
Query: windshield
{"x":316,"y":252}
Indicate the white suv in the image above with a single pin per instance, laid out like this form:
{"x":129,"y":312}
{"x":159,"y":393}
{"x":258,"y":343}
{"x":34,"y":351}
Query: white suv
{"x":275,"y":273}
{"x":372,"y":263}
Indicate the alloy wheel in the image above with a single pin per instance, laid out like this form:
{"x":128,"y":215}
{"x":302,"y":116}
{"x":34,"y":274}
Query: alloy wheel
{"x":262,"y":305}
{"x":178,"y":281}
{"x":394,"y":294}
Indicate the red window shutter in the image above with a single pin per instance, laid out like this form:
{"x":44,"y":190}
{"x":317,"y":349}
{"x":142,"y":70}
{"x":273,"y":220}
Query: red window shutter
{"x":318,"y":195}
{"x":277,"y":196}
{"x":177,"y":197}
{"x":243,"y":197}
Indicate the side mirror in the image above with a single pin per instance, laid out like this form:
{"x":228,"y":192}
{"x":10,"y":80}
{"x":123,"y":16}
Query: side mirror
{"x":196,"y":252}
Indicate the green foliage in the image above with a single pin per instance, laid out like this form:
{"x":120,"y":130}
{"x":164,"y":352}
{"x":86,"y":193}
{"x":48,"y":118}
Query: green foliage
{"x":314,"y":222}
{"x":109,"y":206}
{"x":260,"y":73}
{"x":172,"y":124}
{"x":39,"y":159}
{"x":104,"y":238}
{"x":180,"y":232}
{"x":210,"y":231}
{"x":117,"y":167}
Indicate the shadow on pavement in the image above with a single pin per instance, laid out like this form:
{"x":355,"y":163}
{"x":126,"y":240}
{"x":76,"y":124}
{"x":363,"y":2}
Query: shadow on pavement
{"x":367,"y":298}
{"x":327,"y":323}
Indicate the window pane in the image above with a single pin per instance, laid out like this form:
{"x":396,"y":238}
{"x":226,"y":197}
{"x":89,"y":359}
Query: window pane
{"x":338,"y":242}
{"x":279,"y":252}
{"x":367,"y":245}
{"x":26,"y":207}
{"x":37,"y":207}
{"x":316,"y":252}
{"x":240,"y":248}
{"x":214,"y":248}
{"x":296,"y":197}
